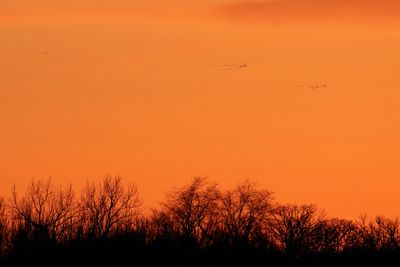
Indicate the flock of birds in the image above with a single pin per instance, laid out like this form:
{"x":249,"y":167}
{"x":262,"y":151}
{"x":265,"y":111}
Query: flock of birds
{"x":238,"y":66}
{"x":235,"y":66}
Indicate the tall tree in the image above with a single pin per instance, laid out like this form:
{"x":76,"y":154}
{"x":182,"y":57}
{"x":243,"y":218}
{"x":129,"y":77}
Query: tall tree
{"x":107,"y":207}
{"x":246,"y":212}
{"x":45,"y":210}
{"x":294,"y":227}
{"x":193,"y":208}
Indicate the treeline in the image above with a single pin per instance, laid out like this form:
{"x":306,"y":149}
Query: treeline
{"x":197,"y":225}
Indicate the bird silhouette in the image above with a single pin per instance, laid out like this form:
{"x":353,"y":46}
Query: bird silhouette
{"x":228,"y":67}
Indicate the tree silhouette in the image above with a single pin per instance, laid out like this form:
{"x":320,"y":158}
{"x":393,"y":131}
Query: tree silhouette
{"x":388,"y":231}
{"x":44,"y":210}
{"x":246,"y":213}
{"x":193,"y":209}
{"x":4,"y":228}
{"x":108,"y":207}
{"x":197,"y":225}
{"x":296,"y":226}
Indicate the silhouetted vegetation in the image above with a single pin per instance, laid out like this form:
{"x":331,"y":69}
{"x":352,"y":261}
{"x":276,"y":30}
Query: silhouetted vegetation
{"x":197,"y":225}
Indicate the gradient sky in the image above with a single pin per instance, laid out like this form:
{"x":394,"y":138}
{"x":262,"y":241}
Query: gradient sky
{"x":141,"y":89}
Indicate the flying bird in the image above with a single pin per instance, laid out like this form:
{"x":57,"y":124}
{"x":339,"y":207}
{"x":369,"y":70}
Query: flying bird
{"x":318,"y":86}
{"x":228,"y":67}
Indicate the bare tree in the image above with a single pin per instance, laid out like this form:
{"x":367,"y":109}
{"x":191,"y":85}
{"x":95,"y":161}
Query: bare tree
{"x":366,"y":237}
{"x":246,"y":212}
{"x":332,"y":236}
{"x":47,"y":211}
{"x":4,"y":227}
{"x":193,"y":208}
{"x":161,"y":228}
{"x":108,"y":207}
{"x":294,"y":227}
{"x":388,"y":231}
{"x":379,"y":234}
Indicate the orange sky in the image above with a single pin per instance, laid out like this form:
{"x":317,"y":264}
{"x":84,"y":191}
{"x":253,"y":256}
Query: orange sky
{"x":135,"y":88}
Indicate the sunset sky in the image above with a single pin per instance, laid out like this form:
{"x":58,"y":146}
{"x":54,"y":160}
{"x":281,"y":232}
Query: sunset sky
{"x":152,"y":90}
